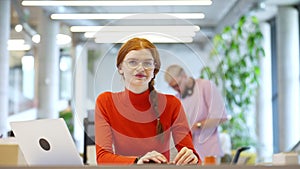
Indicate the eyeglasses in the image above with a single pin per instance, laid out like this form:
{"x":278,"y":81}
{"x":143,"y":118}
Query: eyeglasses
{"x":133,"y":63}
{"x":177,"y":81}
{"x":175,"y":85}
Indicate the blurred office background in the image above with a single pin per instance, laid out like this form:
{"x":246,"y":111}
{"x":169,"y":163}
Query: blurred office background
{"x":52,"y":58}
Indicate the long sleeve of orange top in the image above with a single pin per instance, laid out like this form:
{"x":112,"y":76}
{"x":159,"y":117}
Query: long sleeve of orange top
{"x":104,"y":150}
{"x":124,"y":132}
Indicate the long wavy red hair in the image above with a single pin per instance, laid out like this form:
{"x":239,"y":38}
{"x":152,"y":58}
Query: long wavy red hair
{"x":138,"y":44}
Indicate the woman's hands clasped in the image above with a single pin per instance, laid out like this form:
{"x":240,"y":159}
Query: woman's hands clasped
{"x":152,"y":157}
{"x":185,"y":156}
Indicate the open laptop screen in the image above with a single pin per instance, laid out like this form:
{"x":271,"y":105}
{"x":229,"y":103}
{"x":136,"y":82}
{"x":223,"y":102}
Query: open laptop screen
{"x":46,"y":142}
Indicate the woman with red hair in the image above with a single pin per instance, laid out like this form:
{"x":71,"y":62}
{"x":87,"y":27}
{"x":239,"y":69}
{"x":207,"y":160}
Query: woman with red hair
{"x":136,"y":125}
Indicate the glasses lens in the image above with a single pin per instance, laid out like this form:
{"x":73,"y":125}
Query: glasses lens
{"x":135,"y":63}
{"x":148,"y":64}
{"x":132,"y":63}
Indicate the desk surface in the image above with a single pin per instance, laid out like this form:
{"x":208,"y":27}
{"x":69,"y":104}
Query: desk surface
{"x":154,"y":166}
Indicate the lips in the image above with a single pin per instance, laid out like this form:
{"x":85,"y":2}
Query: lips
{"x":140,"y":75}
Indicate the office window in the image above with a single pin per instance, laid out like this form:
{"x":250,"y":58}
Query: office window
{"x":21,"y":82}
{"x":65,"y":82}
{"x":274,"y":86}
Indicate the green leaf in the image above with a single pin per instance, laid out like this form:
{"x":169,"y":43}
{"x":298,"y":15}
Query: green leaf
{"x":217,"y":39}
{"x":258,"y":35}
{"x":227,"y":29}
{"x":257,"y":70}
{"x":239,"y":32}
{"x":237,"y":73}
{"x":242,"y":21}
{"x":254,"y":20}
{"x":260,"y":52}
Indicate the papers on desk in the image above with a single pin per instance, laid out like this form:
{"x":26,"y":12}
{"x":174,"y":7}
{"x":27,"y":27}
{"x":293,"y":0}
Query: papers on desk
{"x":11,"y":154}
{"x":290,"y":158}
{"x":91,"y":155}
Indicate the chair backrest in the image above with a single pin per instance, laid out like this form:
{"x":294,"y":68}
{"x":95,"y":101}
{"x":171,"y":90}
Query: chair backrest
{"x":89,"y":133}
{"x":296,"y":147}
{"x":89,"y":123}
{"x":237,"y":154}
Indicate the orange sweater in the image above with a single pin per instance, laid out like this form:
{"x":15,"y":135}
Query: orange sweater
{"x":125,"y":126}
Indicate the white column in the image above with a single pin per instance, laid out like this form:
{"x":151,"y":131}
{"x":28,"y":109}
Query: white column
{"x":80,"y":93}
{"x":288,"y":77}
{"x":48,"y":68}
{"x":264,"y":116}
{"x":4,"y":65}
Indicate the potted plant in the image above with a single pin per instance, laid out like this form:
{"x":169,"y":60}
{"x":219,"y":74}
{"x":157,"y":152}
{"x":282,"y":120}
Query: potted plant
{"x":237,"y":50}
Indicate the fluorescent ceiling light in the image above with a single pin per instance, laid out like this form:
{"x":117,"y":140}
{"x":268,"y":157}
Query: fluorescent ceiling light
{"x":36,"y":38}
{"x":130,"y":16}
{"x":116,"y":3}
{"x":134,"y":28}
{"x":18,"y":28}
{"x":61,"y":39}
{"x":124,"y":34}
{"x":21,"y":47}
{"x":17,"y":45}
{"x":15,"y":42}
{"x":150,"y":37}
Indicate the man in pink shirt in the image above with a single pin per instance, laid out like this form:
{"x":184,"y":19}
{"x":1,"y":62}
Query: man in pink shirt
{"x":204,"y":107}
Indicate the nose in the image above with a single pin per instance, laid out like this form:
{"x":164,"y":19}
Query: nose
{"x":140,"y":66}
{"x":176,"y":88}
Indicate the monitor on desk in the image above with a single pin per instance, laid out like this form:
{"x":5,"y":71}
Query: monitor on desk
{"x":46,"y":142}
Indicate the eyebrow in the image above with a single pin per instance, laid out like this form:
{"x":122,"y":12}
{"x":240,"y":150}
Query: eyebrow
{"x":139,"y":59}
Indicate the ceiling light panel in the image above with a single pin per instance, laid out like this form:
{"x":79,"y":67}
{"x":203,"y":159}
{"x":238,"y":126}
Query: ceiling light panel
{"x":135,"y":28}
{"x":117,"y":3}
{"x":156,"y":34}
{"x":17,"y":45}
{"x":155,"y":38}
{"x":120,"y":34}
{"x":129,"y":16}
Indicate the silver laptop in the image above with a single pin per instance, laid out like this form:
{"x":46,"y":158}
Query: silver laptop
{"x":46,"y":142}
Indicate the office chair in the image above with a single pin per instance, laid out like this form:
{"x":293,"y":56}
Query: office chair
{"x":89,"y":135}
{"x":237,"y":154}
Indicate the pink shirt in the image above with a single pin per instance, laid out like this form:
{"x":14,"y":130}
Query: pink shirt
{"x":205,"y":102}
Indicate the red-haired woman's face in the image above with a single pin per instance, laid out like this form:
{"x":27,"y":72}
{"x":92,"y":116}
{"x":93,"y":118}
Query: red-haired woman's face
{"x":137,"y":68}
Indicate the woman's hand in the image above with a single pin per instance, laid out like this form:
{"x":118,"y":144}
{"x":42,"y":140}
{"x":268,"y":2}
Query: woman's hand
{"x":185,"y":156}
{"x":152,"y":157}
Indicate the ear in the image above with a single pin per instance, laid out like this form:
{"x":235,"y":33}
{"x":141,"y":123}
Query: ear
{"x":120,"y":70}
{"x":152,"y":75}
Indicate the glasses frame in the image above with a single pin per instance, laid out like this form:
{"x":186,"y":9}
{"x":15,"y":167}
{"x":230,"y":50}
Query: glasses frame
{"x":139,"y":62}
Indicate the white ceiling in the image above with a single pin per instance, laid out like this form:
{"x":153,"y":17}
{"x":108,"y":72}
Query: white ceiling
{"x":221,"y":13}
{"x":218,"y":15}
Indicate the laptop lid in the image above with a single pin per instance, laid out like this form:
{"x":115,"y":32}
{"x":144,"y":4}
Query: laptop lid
{"x":46,"y":142}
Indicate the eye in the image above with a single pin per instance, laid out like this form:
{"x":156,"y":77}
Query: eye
{"x":148,"y":64}
{"x":132,"y":62}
